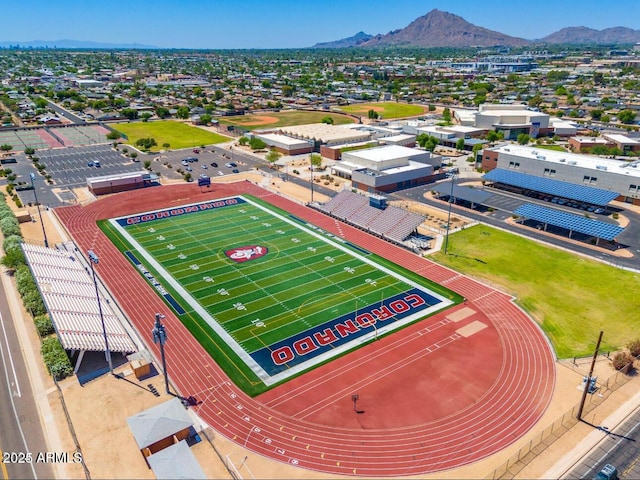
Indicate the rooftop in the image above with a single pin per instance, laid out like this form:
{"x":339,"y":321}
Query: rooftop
{"x":583,"y":161}
{"x":386,"y":153}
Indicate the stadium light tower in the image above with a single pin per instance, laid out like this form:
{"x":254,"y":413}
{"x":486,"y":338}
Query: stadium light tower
{"x":94,"y":260}
{"x":33,"y":177}
{"x":160,"y":336}
{"x":446,"y":235}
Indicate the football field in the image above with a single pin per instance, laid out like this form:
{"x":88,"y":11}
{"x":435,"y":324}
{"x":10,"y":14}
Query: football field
{"x":267,"y":294}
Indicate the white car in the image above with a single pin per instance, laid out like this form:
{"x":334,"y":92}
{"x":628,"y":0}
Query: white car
{"x":220,"y":173}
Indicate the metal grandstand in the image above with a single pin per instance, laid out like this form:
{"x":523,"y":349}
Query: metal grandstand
{"x":569,"y":221}
{"x":393,"y":223}
{"x":558,"y":188}
{"x":69,"y":294}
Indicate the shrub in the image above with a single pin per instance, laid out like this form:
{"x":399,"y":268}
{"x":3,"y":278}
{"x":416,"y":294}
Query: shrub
{"x":43,"y":325}
{"x":10,"y":226}
{"x":615,"y":216}
{"x":621,"y":360}
{"x":55,"y":358}
{"x":634,"y":347}
{"x":28,"y":290}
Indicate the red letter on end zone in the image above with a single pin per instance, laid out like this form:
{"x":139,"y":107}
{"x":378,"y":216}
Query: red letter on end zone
{"x":282,"y":355}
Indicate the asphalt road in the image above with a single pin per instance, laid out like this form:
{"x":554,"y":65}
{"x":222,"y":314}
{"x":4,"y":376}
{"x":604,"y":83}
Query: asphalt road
{"x":20,"y":428}
{"x":620,"y":447}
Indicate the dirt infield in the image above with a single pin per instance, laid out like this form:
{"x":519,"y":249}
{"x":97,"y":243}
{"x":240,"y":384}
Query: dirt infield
{"x":256,"y":120}
{"x":444,"y":392}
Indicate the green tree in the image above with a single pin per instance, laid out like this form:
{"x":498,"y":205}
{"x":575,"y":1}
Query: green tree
{"x":257,"y":144}
{"x":130,"y":113}
{"x":372,"y":114}
{"x":162,"y":112}
{"x":597,"y":113}
{"x":5,"y":147}
{"x":206,"y":119}
{"x":273,"y":155}
{"x":183,"y":112}
{"x":316,"y":160}
{"x":494,"y":136}
{"x":29,"y":151}
{"x":460,"y":144}
{"x":146,"y":116}
{"x":523,"y":138}
{"x":432,"y":108}
{"x":113,"y":135}
{"x":146,"y":143}
{"x":427,"y":142}
{"x":606,"y":118}
{"x":446,"y":115}
{"x":327,"y":120}
{"x":626,"y":116}
{"x":218,"y":95}
{"x":243,"y":141}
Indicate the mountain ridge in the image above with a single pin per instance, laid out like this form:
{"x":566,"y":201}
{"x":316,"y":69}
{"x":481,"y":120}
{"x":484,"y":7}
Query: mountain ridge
{"x":442,"y":29}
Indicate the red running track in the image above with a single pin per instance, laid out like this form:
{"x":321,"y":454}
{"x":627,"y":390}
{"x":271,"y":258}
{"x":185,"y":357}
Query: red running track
{"x":439,"y":394}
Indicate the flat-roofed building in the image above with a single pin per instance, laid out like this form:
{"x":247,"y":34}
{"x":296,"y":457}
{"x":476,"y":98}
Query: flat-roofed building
{"x":388,"y":168}
{"x":325,"y":134}
{"x":511,"y":120}
{"x":121,"y":182}
{"x":285,"y":144}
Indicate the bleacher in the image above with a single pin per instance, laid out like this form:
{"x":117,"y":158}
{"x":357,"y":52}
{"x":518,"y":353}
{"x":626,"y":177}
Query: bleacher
{"x":392,"y":223}
{"x":69,"y":294}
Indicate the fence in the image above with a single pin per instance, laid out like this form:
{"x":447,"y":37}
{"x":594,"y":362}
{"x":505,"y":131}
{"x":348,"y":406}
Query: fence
{"x":553,"y":432}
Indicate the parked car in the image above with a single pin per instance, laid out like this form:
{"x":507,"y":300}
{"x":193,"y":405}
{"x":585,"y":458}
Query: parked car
{"x":214,"y":164}
{"x":204,"y":166}
{"x":89,"y":164}
{"x":195,"y":150}
{"x":235,"y":170}
{"x":608,"y":472}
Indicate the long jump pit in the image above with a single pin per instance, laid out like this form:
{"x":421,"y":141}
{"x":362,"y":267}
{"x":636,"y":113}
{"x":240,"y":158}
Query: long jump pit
{"x":438,"y":394}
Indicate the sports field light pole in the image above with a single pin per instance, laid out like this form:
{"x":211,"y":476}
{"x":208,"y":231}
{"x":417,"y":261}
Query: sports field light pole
{"x":33,"y":177}
{"x":446,"y":236}
{"x":588,"y":382}
{"x":160,"y":336}
{"x":94,"y":260}
{"x":311,"y":168}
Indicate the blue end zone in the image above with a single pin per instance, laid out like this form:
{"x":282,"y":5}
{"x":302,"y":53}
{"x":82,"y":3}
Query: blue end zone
{"x":176,"y":212}
{"x":155,"y":284}
{"x":309,"y":344}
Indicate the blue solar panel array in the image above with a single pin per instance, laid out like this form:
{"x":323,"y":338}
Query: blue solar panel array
{"x":576,"y":223}
{"x":558,"y":188}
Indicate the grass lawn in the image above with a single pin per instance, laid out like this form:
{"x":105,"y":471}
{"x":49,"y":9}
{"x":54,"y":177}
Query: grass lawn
{"x":178,"y":135}
{"x":284,"y":119}
{"x":386,"y":110}
{"x":556,"y":148}
{"x":572,"y":298}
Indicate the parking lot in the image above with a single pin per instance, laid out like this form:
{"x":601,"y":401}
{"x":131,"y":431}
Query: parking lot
{"x":70,"y":167}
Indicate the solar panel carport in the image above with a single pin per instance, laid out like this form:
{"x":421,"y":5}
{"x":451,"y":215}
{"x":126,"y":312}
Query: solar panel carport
{"x":470,"y":194}
{"x":558,"y":188}
{"x":569,"y":221}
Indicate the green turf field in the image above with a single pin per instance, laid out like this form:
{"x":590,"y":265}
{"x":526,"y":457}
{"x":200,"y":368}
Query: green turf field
{"x":285,"y":118}
{"x":571,"y":297}
{"x":178,"y":135}
{"x":386,"y":110}
{"x":268,"y":295}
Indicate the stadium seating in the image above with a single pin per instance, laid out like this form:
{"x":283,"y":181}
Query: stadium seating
{"x":393,"y":223}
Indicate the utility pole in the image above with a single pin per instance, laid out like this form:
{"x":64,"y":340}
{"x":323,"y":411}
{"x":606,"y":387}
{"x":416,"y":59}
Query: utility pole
{"x":588,"y":382}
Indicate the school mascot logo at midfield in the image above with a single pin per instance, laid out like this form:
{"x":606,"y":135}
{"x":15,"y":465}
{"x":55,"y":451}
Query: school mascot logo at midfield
{"x":244,"y":254}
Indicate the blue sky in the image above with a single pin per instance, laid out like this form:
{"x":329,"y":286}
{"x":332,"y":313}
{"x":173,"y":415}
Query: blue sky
{"x":287,"y":23}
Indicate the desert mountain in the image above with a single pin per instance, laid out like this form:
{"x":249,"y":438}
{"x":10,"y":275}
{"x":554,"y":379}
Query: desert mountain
{"x":577,"y":35}
{"x":354,"y":41}
{"x":442,"y":29}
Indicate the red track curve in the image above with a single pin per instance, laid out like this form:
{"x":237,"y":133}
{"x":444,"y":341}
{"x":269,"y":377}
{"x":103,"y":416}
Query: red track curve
{"x":483,"y":391}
